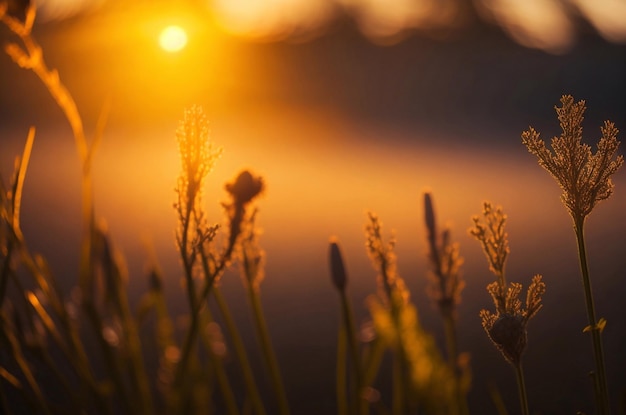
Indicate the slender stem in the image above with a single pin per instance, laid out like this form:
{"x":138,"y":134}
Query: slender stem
{"x":354,"y":351}
{"x":112,"y":363}
{"x":397,"y":405}
{"x":342,"y":402}
{"x":453,"y":354}
{"x":496,"y":399}
{"x":135,"y":358}
{"x":5,"y":270}
{"x":186,"y":353}
{"x":194,"y":305}
{"x":451,"y":342}
{"x":373,"y":360}
{"x":405,"y":396}
{"x":266,"y":346}
{"x":220,"y":372}
{"x":240,"y":352}
{"x":209,"y":277}
{"x":596,"y":331}
{"x":521,"y":387}
{"x":400,"y":388}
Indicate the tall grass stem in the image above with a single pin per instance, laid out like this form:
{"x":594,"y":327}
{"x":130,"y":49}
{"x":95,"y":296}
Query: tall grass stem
{"x":220,"y":373}
{"x":453,"y":361}
{"x":266,"y":346}
{"x":594,"y":328}
{"x":521,"y":388}
{"x":373,"y":360}
{"x":240,"y":352}
{"x":353,"y":349}
{"x":341,"y":378}
{"x":397,"y":406}
{"x":209,"y":281}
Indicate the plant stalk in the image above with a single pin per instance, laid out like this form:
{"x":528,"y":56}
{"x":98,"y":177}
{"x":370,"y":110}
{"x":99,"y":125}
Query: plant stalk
{"x":341,"y":378}
{"x":268,"y":353}
{"x":521,"y":388}
{"x":594,"y":328}
{"x":240,"y":352}
{"x":210,"y":276}
{"x":220,"y":373}
{"x":453,"y":355}
{"x":354,"y":352}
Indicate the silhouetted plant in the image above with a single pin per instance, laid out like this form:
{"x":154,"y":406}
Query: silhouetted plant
{"x":585,"y":179}
{"x":445,"y":290}
{"x":347,"y":334}
{"x":507,"y":326}
{"x":422,"y":379}
{"x":244,"y":189}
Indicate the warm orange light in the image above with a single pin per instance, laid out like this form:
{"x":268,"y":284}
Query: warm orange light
{"x":173,"y":38}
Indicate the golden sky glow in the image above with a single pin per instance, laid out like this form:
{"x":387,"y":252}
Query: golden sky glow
{"x":549,"y":25}
{"x":173,"y":38}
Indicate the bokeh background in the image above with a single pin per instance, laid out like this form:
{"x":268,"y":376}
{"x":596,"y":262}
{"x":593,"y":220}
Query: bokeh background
{"x":343,"y":106}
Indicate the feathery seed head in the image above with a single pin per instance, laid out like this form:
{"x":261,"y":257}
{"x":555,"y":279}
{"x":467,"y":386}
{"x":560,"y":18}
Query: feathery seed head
{"x":491,"y":234}
{"x":383,"y":259}
{"x":197,"y":154}
{"x":446,"y":281}
{"x":507,"y":326}
{"x":584,"y":177}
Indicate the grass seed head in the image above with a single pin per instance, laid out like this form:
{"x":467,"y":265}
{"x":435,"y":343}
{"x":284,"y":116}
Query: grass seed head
{"x":491,"y":234}
{"x":245,"y":187}
{"x":337,"y":269}
{"x":584,"y":177}
{"x":445,"y":276}
{"x":507,"y":326}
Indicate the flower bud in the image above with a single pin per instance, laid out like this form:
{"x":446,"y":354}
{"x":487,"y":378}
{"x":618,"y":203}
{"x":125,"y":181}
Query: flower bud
{"x":429,"y":213}
{"x":337,"y":270}
{"x":509,"y":334}
{"x":245,"y":187}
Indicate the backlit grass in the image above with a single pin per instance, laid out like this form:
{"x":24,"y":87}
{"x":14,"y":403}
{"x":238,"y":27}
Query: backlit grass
{"x":85,"y":351}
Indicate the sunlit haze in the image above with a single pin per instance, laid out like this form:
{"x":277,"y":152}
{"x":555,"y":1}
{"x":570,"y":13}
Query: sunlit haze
{"x":173,"y":38}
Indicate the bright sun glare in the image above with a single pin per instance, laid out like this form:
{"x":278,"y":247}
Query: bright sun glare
{"x":173,"y":38}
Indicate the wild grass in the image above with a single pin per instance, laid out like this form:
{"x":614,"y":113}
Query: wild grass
{"x":585,"y":179}
{"x":507,"y":327}
{"x":85,"y":351}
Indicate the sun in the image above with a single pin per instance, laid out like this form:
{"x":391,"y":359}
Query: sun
{"x":173,"y":38}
